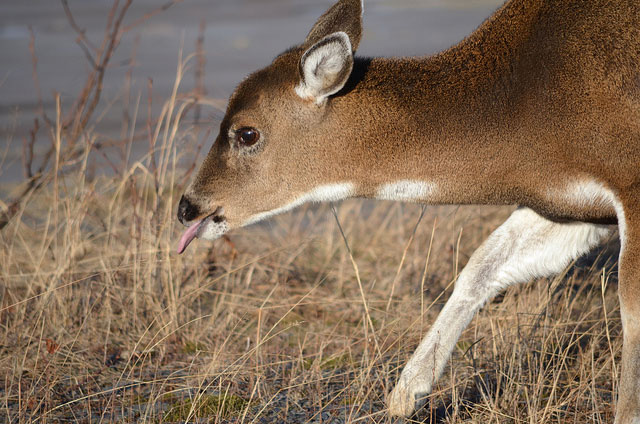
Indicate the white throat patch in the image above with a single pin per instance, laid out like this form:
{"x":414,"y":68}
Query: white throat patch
{"x":406,"y":190}
{"x":323,"y":193}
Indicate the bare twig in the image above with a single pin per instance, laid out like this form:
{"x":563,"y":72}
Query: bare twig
{"x":82,"y":40}
{"x":80,"y":113}
{"x":127,"y":131}
{"x":154,"y":12}
{"x":114,"y":40}
{"x":36,"y":80}
{"x":34,"y":183}
{"x":81,"y":100}
{"x":152,"y":139}
{"x":200,"y":89}
{"x":27,"y":150}
{"x":81,"y":32}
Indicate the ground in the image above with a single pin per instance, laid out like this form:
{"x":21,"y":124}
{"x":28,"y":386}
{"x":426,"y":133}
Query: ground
{"x":103,"y":322}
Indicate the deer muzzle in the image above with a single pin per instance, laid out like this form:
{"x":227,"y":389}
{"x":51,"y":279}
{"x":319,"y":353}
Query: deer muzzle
{"x":210,"y":227}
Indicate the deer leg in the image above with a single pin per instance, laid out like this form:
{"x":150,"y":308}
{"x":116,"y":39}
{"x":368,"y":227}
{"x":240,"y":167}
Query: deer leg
{"x":526,"y":246}
{"x":628,"y":407}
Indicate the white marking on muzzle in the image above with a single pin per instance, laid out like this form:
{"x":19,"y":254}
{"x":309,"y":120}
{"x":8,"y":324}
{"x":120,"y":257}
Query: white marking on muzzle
{"x":213,"y":230}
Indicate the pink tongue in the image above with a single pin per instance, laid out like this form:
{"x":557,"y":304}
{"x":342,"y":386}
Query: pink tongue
{"x":188,"y":236}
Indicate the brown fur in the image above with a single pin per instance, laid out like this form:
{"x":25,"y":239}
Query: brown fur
{"x":543,"y":93}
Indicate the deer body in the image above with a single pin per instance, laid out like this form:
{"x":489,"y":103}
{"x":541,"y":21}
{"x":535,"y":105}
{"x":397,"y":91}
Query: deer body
{"x":539,"y":107}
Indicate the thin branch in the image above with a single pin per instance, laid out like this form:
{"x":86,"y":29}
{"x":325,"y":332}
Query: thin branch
{"x":79,"y":114}
{"x":200,"y":88}
{"x":36,"y":80}
{"x":82,"y":40}
{"x":148,"y":15}
{"x":152,"y":140}
{"x":126,"y":117}
{"x":81,"y":32}
{"x":82,"y":99}
{"x":87,"y":53}
{"x":114,"y":40}
{"x":27,"y":150}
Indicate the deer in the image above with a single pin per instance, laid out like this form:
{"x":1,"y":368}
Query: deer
{"x":539,"y":107}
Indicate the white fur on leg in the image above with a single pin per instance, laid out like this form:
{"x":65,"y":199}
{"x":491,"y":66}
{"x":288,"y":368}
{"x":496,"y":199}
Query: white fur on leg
{"x":526,"y":246}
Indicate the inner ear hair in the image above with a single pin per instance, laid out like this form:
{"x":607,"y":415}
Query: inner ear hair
{"x":325,"y":67}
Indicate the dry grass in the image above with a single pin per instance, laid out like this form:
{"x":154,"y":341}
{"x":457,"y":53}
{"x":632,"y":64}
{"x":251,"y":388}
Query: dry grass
{"x":102,"y":322}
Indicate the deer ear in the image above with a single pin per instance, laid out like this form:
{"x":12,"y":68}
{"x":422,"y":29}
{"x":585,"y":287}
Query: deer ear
{"x":325,"y":67}
{"x":345,"y":16}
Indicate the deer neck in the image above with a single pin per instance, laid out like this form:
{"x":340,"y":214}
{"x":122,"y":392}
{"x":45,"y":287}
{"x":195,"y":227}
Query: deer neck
{"x":452,"y":125}
{"x":417,"y":131}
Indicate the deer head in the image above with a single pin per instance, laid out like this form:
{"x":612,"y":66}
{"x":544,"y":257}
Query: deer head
{"x":278,"y":142}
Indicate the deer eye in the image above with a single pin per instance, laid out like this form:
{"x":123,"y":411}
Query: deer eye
{"x":247,"y":136}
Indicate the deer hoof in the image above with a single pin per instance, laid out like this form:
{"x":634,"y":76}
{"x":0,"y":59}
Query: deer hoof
{"x":407,"y":397}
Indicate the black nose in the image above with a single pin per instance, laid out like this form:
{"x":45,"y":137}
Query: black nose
{"x":186,"y":210}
